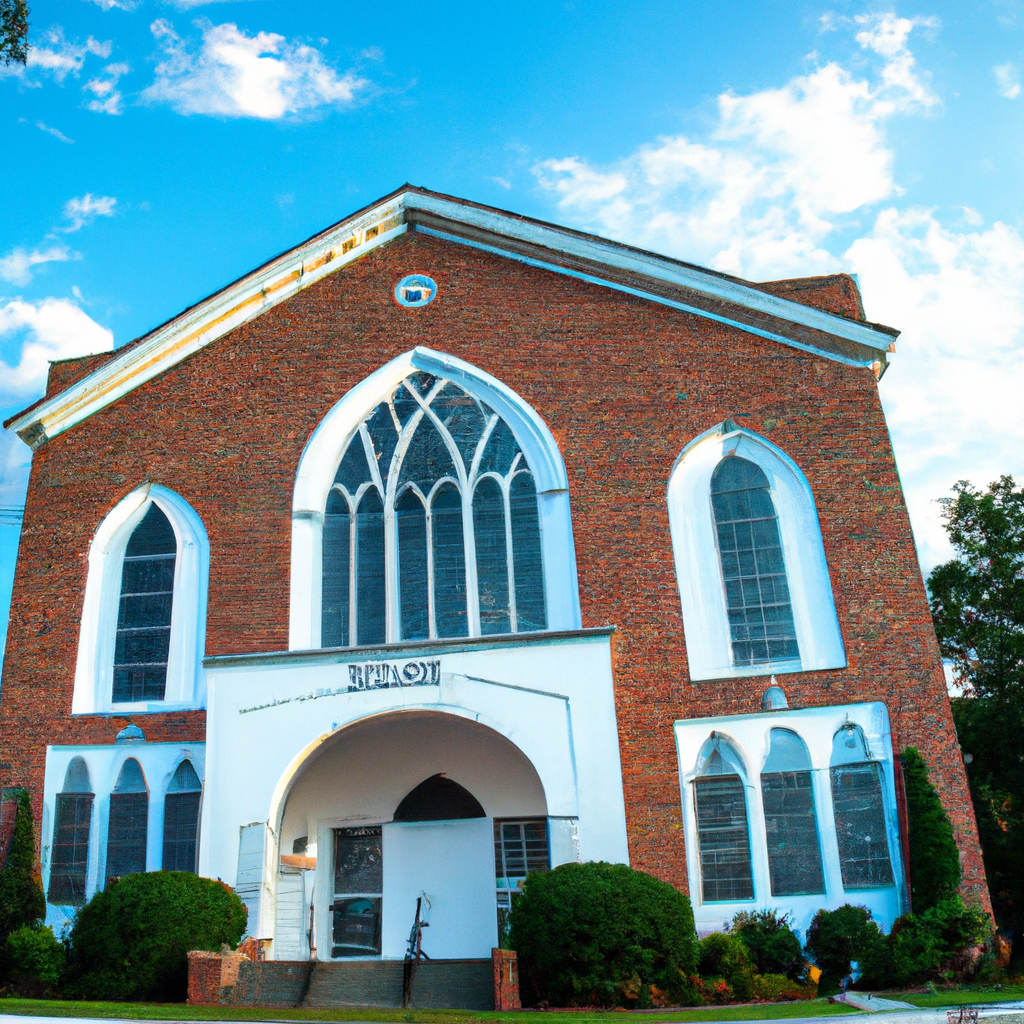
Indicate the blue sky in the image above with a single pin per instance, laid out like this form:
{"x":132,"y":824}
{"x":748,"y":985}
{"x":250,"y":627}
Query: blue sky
{"x":154,"y":151}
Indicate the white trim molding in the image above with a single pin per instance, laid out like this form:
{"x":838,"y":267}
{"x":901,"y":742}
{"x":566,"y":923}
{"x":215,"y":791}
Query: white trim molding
{"x":655,"y":278}
{"x":94,"y":671}
{"x":699,"y":569}
{"x":322,"y":455}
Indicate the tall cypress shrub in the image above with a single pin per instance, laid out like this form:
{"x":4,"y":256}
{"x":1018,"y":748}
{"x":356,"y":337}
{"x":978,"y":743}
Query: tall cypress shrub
{"x":21,"y":892}
{"x":934,"y":858}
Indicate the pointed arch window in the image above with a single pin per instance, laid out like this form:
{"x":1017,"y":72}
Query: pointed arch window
{"x":431,"y":528}
{"x":144,"y":614}
{"x":723,"y":833}
{"x":753,"y":567}
{"x":128,"y":823}
{"x":791,"y":830}
{"x":859,"y":811}
{"x":181,"y":819}
{"x":69,"y":859}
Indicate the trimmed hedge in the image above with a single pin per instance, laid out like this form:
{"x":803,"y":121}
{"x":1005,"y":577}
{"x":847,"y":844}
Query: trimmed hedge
{"x":129,"y":942}
{"x":33,"y":961}
{"x":771,"y":943}
{"x":602,"y":934}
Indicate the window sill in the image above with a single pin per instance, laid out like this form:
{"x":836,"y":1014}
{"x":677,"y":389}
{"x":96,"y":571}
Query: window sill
{"x":141,"y":708}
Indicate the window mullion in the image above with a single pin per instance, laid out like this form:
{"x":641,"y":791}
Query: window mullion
{"x":431,"y":604}
{"x":513,"y":616}
{"x":353,"y":590}
{"x":472,"y":585}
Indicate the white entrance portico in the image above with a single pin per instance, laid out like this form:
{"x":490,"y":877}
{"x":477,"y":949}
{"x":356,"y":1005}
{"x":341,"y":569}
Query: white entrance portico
{"x":379,"y":774}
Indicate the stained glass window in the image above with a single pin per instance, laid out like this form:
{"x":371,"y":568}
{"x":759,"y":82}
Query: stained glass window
{"x":753,"y":568}
{"x":434,"y":509}
{"x":144,"y":616}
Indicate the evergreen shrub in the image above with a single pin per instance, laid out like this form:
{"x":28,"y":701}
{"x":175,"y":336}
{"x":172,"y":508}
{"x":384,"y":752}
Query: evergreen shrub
{"x":838,"y":938}
{"x":938,"y":942}
{"x":934,"y":858}
{"x":129,"y":942}
{"x":602,"y":934}
{"x":721,"y":955}
{"x":33,"y":961}
{"x":771,"y":942}
{"x":21,"y":892}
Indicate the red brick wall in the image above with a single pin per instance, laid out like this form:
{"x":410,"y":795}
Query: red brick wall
{"x":624,"y":385}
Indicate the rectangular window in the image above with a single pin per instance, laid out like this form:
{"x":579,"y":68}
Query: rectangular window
{"x":794,"y":855}
{"x":126,"y":834}
{"x":519,"y":848}
{"x":358,"y":885}
{"x":860,"y":825}
{"x":181,"y":830}
{"x":723,"y":838}
{"x":69,"y":857}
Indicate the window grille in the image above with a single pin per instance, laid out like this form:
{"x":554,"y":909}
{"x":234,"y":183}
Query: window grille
{"x":181,"y":819}
{"x":436,"y":476}
{"x":128,"y":823}
{"x":519,"y":848}
{"x":358,"y":891}
{"x":723,"y":836}
{"x":69,"y":856}
{"x":753,"y":568}
{"x":144,"y":617}
{"x":791,"y":830}
{"x":860,"y":825}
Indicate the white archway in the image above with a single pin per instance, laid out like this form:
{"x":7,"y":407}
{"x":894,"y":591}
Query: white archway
{"x":698,"y":567}
{"x":94,"y":670}
{"x":319,"y":462}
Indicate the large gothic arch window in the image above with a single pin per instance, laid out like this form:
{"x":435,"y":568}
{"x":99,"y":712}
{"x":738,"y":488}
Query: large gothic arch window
{"x":432,"y":525}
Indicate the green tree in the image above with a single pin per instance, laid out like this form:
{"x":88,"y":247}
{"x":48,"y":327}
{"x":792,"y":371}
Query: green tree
{"x":21,"y":894}
{"x":934,"y":858}
{"x":13,"y":31}
{"x":977,"y":602}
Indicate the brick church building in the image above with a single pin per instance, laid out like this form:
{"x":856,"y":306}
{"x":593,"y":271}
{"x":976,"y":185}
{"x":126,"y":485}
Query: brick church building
{"x":452,"y":544}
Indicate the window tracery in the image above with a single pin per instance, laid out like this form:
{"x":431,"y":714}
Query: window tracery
{"x":431,"y":527}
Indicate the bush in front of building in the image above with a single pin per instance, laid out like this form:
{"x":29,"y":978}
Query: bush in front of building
{"x":21,"y":892}
{"x":130,"y":941}
{"x":934,"y":858}
{"x":836,"y":939}
{"x":725,"y":956}
{"x":771,"y":942}
{"x":603,"y":934}
{"x":32,"y":961}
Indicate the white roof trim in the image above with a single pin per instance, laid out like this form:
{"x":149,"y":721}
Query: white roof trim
{"x":281,"y":278}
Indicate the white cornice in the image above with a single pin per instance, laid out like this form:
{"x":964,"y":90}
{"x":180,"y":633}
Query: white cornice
{"x":518,"y":238}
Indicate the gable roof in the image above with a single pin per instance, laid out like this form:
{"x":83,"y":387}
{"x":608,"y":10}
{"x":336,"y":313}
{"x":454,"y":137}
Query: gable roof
{"x":757,"y":309}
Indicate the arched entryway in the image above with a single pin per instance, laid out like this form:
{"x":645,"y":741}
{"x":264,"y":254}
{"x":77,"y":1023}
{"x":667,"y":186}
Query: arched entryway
{"x":398,"y":807}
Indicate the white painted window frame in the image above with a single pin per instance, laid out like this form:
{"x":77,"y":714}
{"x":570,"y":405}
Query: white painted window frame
{"x":749,"y":740}
{"x":699,"y":567}
{"x":322,"y":455}
{"x":94,"y":670}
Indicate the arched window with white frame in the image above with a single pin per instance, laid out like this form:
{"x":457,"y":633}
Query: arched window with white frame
{"x":446,"y":514}
{"x":753,"y":579}
{"x":144,"y":614}
{"x":69,"y":853}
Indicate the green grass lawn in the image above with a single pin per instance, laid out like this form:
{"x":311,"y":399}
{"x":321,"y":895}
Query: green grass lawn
{"x":179,"y":1012}
{"x":959,"y":995}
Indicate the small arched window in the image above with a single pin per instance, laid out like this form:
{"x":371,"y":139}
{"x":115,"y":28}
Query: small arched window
{"x":69,"y":858}
{"x":859,"y":811}
{"x":128,"y":823}
{"x":181,"y":819}
{"x":753,"y":567}
{"x":144,"y":615}
{"x":438,"y":799}
{"x":791,"y":830}
{"x":431,"y":527}
{"x":723,"y":834}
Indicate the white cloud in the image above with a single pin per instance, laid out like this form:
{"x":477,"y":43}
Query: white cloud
{"x":231,"y":74}
{"x":83,"y":210}
{"x":55,"y":132}
{"x":121,"y":5}
{"x":41,"y":332}
{"x":778,"y":187}
{"x":53,"y":55}
{"x":17,"y":265}
{"x":107,"y":98}
{"x":1007,"y":77}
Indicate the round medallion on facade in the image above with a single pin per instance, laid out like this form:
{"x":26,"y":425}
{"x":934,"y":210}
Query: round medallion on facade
{"x":415,"y":290}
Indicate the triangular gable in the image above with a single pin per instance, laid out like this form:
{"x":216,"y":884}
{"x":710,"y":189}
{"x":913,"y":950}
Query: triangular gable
{"x":682,"y":286}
